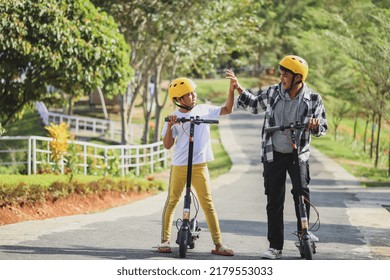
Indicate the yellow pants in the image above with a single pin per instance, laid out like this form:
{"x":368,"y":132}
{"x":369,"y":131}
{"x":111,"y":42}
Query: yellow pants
{"x":201,"y":183}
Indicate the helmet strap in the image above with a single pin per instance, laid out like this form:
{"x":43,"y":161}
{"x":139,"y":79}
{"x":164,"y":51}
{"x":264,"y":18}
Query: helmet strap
{"x":293,"y":83}
{"x":188,"y":108}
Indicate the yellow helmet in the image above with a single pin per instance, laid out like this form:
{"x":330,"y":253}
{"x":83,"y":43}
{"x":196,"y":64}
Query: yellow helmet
{"x":180,"y":86}
{"x":296,"y":65}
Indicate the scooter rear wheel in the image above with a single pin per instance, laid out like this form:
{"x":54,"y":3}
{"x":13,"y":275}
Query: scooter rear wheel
{"x":307,"y":249}
{"x":192,"y":244}
{"x":183,"y":243}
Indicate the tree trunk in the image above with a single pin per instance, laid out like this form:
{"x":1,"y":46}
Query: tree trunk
{"x":372,"y":135}
{"x":156,"y":136}
{"x":388,"y":160}
{"x":124,"y":127}
{"x":70,"y":106}
{"x":147,"y":105}
{"x":65,"y":108}
{"x":10,"y":116}
{"x":378,"y":137}
{"x":159,"y":107}
{"x":134,"y":90}
{"x":145,"y":133}
{"x":365,"y":134}
{"x":355,"y":126}
{"x":103,"y":102}
{"x":335,"y":125}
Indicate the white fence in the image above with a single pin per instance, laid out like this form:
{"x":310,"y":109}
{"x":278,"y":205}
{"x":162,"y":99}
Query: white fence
{"x":83,"y":125}
{"x":89,"y":158}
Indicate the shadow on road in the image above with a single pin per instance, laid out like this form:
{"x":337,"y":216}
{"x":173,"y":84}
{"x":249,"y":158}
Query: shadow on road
{"x":78,"y":252}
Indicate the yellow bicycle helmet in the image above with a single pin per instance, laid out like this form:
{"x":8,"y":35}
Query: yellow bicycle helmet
{"x":180,"y":86}
{"x":295,"y":64}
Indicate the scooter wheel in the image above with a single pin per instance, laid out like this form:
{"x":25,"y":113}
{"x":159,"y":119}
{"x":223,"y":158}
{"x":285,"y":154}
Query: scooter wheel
{"x":307,"y":249}
{"x":183,"y":243}
{"x":192,"y":244}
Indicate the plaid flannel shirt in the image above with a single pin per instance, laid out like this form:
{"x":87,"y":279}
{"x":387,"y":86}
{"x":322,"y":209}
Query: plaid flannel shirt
{"x":266,"y":101}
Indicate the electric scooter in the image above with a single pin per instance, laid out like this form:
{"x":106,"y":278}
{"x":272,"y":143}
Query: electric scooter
{"x":189,"y":230}
{"x":307,"y":247}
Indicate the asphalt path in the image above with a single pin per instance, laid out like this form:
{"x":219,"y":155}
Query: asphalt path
{"x":354,"y":221}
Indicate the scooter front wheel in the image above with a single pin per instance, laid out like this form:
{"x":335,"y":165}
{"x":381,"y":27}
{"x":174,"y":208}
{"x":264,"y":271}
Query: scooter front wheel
{"x":307,"y":249}
{"x":183,"y":242}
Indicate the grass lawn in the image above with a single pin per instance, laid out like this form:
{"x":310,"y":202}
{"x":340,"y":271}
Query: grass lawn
{"x":349,"y":155}
{"x":44,"y":179}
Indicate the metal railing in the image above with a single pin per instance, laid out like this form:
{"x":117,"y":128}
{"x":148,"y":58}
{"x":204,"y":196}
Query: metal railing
{"x":83,"y":125}
{"x":89,"y":159}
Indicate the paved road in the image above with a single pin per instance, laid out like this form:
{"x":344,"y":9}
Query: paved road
{"x":355,"y":223}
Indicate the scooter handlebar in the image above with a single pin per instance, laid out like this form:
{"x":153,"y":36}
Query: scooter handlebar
{"x":296,"y":126}
{"x":196,"y":120}
{"x":274,"y":128}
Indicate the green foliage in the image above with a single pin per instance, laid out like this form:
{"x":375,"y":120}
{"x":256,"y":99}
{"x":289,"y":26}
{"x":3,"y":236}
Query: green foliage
{"x":171,"y":31}
{"x":70,"y":45}
{"x":352,"y":147}
{"x":15,"y":190}
{"x":72,"y":160}
{"x":29,"y":124}
{"x":21,"y":193}
{"x":59,"y":190}
{"x":2,"y":130}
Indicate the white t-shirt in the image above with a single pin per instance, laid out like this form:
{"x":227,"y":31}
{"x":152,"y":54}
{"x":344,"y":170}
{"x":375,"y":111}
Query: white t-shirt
{"x":202,"y":145}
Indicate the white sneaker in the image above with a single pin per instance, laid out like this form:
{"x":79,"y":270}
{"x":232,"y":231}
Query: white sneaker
{"x":272,"y":254}
{"x":313,"y":237}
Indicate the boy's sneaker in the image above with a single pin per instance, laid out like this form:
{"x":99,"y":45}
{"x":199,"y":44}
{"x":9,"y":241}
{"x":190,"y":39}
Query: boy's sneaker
{"x":313,"y":237}
{"x":272,"y":254}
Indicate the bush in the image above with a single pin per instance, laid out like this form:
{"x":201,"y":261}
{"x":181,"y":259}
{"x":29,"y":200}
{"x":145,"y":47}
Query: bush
{"x":21,"y":193}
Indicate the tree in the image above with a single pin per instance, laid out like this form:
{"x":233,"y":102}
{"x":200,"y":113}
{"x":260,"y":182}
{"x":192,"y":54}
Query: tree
{"x":347,"y":47}
{"x":370,"y":51}
{"x":69,"y":45}
{"x":339,"y":111}
{"x":166,"y":37}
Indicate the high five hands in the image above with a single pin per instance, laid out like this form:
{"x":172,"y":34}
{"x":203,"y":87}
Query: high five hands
{"x":234,"y":84}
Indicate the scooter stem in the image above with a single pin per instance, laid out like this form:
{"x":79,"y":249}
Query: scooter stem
{"x":303,"y":215}
{"x":187,"y":199}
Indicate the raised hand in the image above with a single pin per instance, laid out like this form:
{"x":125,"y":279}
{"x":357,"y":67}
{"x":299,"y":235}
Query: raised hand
{"x":234,"y":84}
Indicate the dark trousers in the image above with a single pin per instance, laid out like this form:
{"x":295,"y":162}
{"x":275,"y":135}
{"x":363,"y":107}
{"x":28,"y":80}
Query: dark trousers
{"x":275,"y":188}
